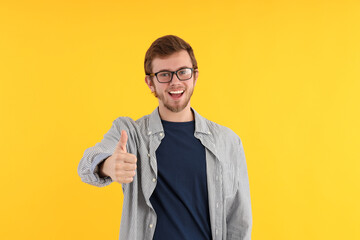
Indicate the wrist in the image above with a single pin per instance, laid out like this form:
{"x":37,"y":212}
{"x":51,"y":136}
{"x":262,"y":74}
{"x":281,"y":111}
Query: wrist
{"x":103,"y":168}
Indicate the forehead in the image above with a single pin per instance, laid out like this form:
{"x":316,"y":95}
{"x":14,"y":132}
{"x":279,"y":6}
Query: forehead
{"x":172,"y":62}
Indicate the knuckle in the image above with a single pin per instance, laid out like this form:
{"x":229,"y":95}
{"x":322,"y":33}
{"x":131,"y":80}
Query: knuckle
{"x":121,"y":179}
{"x":131,"y":157}
{"x":128,"y":180}
{"x":121,"y":156}
{"x":118,"y":167}
{"x":118,"y":179}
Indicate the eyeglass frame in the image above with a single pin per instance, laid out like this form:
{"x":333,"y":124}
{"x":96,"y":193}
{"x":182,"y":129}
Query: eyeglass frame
{"x":172,"y":74}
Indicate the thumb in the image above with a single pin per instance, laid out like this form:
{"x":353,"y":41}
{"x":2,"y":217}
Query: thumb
{"x":121,"y":146}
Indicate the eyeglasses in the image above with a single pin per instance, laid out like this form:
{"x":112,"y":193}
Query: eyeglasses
{"x":182,"y":74}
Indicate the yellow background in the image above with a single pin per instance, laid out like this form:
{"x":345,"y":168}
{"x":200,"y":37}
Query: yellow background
{"x":284,"y":75}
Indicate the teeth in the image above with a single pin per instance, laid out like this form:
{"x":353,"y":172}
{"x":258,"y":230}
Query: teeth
{"x":177,"y":92}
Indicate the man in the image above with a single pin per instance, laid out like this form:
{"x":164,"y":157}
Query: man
{"x":183,"y":176}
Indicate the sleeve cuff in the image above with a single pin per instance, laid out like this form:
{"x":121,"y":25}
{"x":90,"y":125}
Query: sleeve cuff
{"x":97,"y":160}
{"x":94,"y":168}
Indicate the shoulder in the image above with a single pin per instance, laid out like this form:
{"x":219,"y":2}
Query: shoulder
{"x":131,"y":123}
{"x":132,"y":128}
{"x":222,"y":133}
{"x":124,"y":122}
{"x":143,"y":120}
{"x":127,"y":124}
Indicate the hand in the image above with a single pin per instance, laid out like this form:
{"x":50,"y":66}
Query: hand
{"x":121,"y":165}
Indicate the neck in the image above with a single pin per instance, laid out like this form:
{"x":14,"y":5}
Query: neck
{"x":186,"y":115}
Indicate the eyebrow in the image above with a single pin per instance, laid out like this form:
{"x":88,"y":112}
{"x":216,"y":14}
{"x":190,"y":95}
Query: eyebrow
{"x":162,"y":70}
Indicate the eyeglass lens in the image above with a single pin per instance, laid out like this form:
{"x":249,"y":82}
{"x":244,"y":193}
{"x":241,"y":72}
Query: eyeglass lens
{"x":182,"y":74}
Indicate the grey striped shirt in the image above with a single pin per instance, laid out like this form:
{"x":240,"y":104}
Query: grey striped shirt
{"x":227,"y":178}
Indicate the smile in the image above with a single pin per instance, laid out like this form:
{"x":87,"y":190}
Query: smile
{"x":176,"y":94}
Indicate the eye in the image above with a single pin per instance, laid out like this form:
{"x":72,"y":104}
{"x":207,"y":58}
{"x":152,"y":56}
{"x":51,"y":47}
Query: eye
{"x":183,"y":71}
{"x":164,"y":74}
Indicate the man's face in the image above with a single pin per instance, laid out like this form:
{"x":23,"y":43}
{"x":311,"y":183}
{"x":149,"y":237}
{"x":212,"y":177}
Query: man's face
{"x":168,"y":93}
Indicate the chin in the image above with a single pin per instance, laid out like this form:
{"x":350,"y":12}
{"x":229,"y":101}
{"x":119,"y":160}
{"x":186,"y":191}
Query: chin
{"x":175,"y":109}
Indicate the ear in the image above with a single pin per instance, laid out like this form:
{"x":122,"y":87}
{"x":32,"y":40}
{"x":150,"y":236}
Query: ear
{"x":149,"y":83}
{"x":196,"y":75}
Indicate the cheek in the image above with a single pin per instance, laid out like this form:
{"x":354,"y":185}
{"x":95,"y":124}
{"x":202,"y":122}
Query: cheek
{"x":161,"y":88}
{"x":190,"y":85}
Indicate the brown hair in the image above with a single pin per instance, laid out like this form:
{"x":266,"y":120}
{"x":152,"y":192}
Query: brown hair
{"x":165,"y":46}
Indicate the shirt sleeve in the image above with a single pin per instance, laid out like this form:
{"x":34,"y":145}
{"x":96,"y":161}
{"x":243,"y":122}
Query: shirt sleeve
{"x":93,"y":156}
{"x":239,"y":217}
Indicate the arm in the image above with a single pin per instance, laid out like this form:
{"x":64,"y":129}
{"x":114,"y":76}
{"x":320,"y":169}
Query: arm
{"x":239,"y":217}
{"x":105,"y":168}
{"x":99,"y":164}
{"x":88,"y":168}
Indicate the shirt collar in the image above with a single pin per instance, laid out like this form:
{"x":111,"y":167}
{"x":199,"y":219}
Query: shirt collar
{"x":155,"y":124}
{"x":201,"y":125}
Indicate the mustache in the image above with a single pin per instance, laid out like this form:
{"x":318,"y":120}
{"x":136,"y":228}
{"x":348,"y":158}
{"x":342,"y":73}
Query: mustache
{"x":172,"y":88}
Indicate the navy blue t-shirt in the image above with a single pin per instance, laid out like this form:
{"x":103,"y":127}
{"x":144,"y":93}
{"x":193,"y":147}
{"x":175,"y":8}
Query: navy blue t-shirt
{"x":180,"y":198}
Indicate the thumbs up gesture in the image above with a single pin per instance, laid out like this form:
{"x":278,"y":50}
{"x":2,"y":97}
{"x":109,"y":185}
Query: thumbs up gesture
{"x":121,"y":165}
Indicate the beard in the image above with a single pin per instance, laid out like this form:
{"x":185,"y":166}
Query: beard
{"x":177,"y":107}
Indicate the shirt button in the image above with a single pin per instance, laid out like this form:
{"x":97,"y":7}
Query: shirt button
{"x":217,"y":205}
{"x":209,"y":133}
{"x":154,"y":179}
{"x":161,"y":134}
{"x":148,"y":154}
{"x":150,"y":225}
{"x":216,"y":232}
{"x":149,"y":132}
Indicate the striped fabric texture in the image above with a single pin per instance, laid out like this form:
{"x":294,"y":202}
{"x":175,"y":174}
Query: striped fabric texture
{"x":227,"y":177}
